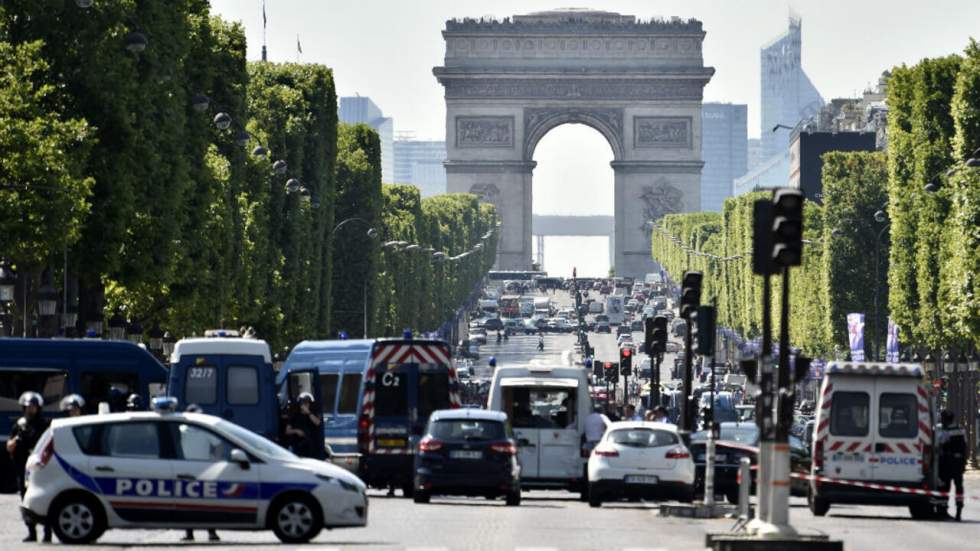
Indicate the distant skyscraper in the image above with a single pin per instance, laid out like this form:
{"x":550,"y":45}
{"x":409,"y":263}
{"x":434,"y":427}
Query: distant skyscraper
{"x":357,"y":109}
{"x":723,"y":149}
{"x":788,"y":96}
{"x":419,"y":162}
{"x":755,"y":152}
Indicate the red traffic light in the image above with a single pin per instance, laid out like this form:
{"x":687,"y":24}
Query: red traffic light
{"x":607,"y":365}
{"x":626,"y":353}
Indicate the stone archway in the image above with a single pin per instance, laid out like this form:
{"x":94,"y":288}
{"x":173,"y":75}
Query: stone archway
{"x":639,"y":83}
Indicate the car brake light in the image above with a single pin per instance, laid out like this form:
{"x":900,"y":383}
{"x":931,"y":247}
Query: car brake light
{"x":506,"y":448}
{"x":363,"y":436}
{"x":430,"y":445}
{"x":46,"y":453}
{"x":678,"y":453}
{"x":818,"y":455}
{"x":606,"y":452}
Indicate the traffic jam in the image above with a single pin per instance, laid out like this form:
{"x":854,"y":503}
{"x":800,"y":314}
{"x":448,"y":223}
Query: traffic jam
{"x":223,"y":436}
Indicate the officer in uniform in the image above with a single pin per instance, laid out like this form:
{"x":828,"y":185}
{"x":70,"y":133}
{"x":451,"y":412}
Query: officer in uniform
{"x":27,"y":430}
{"x":73,"y":405}
{"x":952,"y":461}
{"x":304,"y":427}
{"x":134,"y":402}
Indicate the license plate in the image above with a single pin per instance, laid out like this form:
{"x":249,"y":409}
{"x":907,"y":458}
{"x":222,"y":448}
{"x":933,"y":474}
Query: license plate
{"x":392,"y":442}
{"x":642,"y":479}
{"x":464,"y":454}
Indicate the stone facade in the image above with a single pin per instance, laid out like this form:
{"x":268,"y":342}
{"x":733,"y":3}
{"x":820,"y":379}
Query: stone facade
{"x":508,"y":83}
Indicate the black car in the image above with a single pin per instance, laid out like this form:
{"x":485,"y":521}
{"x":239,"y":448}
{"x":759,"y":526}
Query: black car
{"x":493,"y":324}
{"x":740,"y":440}
{"x":467,"y":452}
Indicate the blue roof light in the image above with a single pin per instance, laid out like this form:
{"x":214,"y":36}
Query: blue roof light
{"x":407,"y":334}
{"x":343,"y":335}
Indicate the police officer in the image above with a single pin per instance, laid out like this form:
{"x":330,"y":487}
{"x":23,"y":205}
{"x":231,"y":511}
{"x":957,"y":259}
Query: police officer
{"x":303,"y":426}
{"x":134,"y":402}
{"x":72,"y":405}
{"x":27,"y":430}
{"x":952,"y":461}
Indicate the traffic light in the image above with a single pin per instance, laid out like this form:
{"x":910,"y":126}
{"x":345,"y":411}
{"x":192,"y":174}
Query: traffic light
{"x":706,"y":330}
{"x":801,"y":369}
{"x":625,"y":361}
{"x":787,"y":227}
{"x":596,"y":369}
{"x":612,"y":372}
{"x":762,"y":237}
{"x":690,"y":293}
{"x":751,"y":368}
{"x":655,"y":334}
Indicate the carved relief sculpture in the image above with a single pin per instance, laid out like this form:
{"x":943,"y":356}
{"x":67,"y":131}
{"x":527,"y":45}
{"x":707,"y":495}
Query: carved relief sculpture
{"x":659,"y":199}
{"x":662,"y":132}
{"x":484,"y":132}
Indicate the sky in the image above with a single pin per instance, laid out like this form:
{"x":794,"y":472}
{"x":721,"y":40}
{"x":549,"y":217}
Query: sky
{"x":386,"y":49}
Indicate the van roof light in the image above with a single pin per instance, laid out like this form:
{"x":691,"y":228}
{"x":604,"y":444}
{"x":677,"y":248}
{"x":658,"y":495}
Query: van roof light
{"x":164,"y":404}
{"x":876,"y":368}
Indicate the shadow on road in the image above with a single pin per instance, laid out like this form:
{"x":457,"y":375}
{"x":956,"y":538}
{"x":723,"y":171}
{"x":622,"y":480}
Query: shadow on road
{"x":492,"y":504}
{"x":223,"y":543}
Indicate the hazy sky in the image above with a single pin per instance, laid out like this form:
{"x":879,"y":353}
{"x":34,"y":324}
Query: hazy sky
{"x":386,"y":49}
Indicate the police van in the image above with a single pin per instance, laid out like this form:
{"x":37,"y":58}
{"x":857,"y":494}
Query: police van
{"x":163,"y":469}
{"x":227,"y":376}
{"x":873,"y":426}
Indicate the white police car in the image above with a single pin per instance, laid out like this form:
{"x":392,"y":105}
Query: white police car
{"x":181,"y":470}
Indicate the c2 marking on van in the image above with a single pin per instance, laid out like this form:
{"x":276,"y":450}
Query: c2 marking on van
{"x":389,"y":379}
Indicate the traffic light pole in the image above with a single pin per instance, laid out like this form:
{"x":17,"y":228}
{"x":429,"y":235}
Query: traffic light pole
{"x":686,"y":388}
{"x":764,"y":412}
{"x":709,"y":454}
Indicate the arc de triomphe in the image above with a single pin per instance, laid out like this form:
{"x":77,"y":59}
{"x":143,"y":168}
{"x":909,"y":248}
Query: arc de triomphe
{"x":507,"y":83}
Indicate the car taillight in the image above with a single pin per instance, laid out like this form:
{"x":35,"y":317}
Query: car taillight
{"x":507,"y":448}
{"x":46,"y":453}
{"x":818,"y":455}
{"x":429,"y":444}
{"x":363,"y":434}
{"x":606,"y":452}
{"x":678,"y":453}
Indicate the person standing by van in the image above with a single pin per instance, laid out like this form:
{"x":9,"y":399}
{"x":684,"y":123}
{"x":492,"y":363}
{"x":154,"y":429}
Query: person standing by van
{"x":27,"y":430}
{"x":304,"y":426}
{"x":595,"y":426}
{"x":952,"y":461}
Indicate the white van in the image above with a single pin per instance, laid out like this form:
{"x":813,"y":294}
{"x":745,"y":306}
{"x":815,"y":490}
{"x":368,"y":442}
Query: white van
{"x":547,"y":407}
{"x":874,"y":425}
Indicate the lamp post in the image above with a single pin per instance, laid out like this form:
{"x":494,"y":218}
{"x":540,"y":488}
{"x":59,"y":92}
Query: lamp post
{"x":880,"y":217}
{"x":371,"y":233}
{"x":117,"y":327}
{"x":168,"y":345}
{"x":8,"y":285}
{"x":156,"y":339}
{"x":134,"y":331}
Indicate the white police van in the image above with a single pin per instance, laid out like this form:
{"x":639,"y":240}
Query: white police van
{"x":181,"y":470}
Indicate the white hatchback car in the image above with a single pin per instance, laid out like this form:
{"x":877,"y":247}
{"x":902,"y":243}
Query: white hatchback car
{"x":182,"y":471}
{"x":640,"y":459}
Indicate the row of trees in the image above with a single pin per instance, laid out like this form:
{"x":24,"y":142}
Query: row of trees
{"x":925,"y":275}
{"x":159,"y":174}
{"x":838,"y":271}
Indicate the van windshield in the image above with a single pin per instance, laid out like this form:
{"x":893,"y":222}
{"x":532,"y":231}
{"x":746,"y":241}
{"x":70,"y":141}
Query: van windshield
{"x":49,"y":384}
{"x":540,"y":408}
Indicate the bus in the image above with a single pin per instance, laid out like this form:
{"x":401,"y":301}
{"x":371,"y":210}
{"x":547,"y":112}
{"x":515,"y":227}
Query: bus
{"x":510,"y":306}
{"x":514,"y":275}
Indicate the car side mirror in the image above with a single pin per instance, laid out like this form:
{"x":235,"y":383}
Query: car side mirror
{"x":240,"y":457}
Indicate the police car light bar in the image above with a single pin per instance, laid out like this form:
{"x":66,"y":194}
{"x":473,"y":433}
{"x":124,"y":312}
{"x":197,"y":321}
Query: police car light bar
{"x":164,"y":404}
{"x":228,"y":333}
{"x":876,"y":368}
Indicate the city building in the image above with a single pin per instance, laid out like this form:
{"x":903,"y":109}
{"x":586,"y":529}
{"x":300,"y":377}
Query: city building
{"x":806,"y":149}
{"x":755,"y":152}
{"x":357,"y":109}
{"x":419,"y":162}
{"x":788,"y":96}
{"x":724,"y":150}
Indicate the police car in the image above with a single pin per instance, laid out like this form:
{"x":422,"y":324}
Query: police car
{"x":162,"y":469}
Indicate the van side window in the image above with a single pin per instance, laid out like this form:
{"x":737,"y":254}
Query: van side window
{"x":898,"y":415}
{"x":849,"y":414}
{"x":14,"y":382}
{"x":328,"y":391}
{"x":243,"y":385}
{"x":109,"y":387}
{"x":137,"y":440}
{"x":350,"y":391}
{"x":201,"y":385}
{"x":199,"y":444}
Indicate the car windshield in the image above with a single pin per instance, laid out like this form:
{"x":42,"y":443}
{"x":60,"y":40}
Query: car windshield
{"x":255,"y":442}
{"x":743,"y":434}
{"x":642,"y":438}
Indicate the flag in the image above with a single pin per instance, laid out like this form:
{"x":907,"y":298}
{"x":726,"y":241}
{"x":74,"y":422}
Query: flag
{"x":299,"y":47}
{"x":264,"y":19}
{"x":855,"y":333}
{"x":891,"y":346}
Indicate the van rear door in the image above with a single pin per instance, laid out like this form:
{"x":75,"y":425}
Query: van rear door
{"x":900,"y":434}
{"x":545,"y":422}
{"x":849,"y":436}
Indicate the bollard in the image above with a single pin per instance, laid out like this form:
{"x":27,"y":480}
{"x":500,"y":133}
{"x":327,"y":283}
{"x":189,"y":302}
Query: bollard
{"x":744,"y":487}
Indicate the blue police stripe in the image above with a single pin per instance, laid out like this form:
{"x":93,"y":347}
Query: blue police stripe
{"x":78,"y":476}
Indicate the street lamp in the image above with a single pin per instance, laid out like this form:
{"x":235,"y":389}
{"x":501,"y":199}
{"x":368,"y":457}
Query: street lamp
{"x":136,"y":42}
{"x":168,"y":344}
{"x":8,"y":283}
{"x":280,"y":167}
{"x":880,"y":217}
{"x":242,"y":137}
{"x":117,"y":327}
{"x":134,"y":331}
{"x":972,"y":162}
{"x":200,"y":102}
{"x":222,"y":121}
{"x":292,"y":185}
{"x":156,"y":338}
{"x":84,"y":4}
{"x":47,"y":300}
{"x":260,"y":152}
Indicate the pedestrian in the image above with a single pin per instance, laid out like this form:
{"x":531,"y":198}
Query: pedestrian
{"x":72,"y":405}
{"x":952,"y":461}
{"x":631,"y":414}
{"x":194,"y":443}
{"x":595,"y":426}
{"x":660,"y":415}
{"x":611,"y":412}
{"x":134,"y":402}
{"x":25,"y":434}
{"x":304,"y":427}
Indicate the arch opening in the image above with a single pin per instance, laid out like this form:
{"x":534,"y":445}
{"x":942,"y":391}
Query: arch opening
{"x":573,"y":200}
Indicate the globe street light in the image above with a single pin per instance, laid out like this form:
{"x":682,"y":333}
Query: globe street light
{"x":880,"y":217}
{"x":117,"y":327}
{"x":222,"y":121}
{"x":280,"y":167}
{"x":136,"y":42}
{"x":200,"y":102}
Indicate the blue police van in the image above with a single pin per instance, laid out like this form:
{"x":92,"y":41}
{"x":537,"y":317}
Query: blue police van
{"x":100,"y":371}
{"x":228,"y":377}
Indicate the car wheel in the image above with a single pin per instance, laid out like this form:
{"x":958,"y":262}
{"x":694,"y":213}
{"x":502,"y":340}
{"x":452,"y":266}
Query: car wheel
{"x":296,"y":519}
{"x":78,"y":519}
{"x":732,"y":496}
{"x":408,"y":489}
{"x":818,"y":505}
{"x":922,"y":511}
{"x":593,"y":497}
{"x":421,"y":497}
{"x":514,"y":498}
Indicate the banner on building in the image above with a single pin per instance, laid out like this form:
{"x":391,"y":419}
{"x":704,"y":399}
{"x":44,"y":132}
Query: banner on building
{"x":855,"y":333}
{"x":891,"y":347}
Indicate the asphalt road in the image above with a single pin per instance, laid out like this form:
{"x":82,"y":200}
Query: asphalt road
{"x":556,"y":520}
